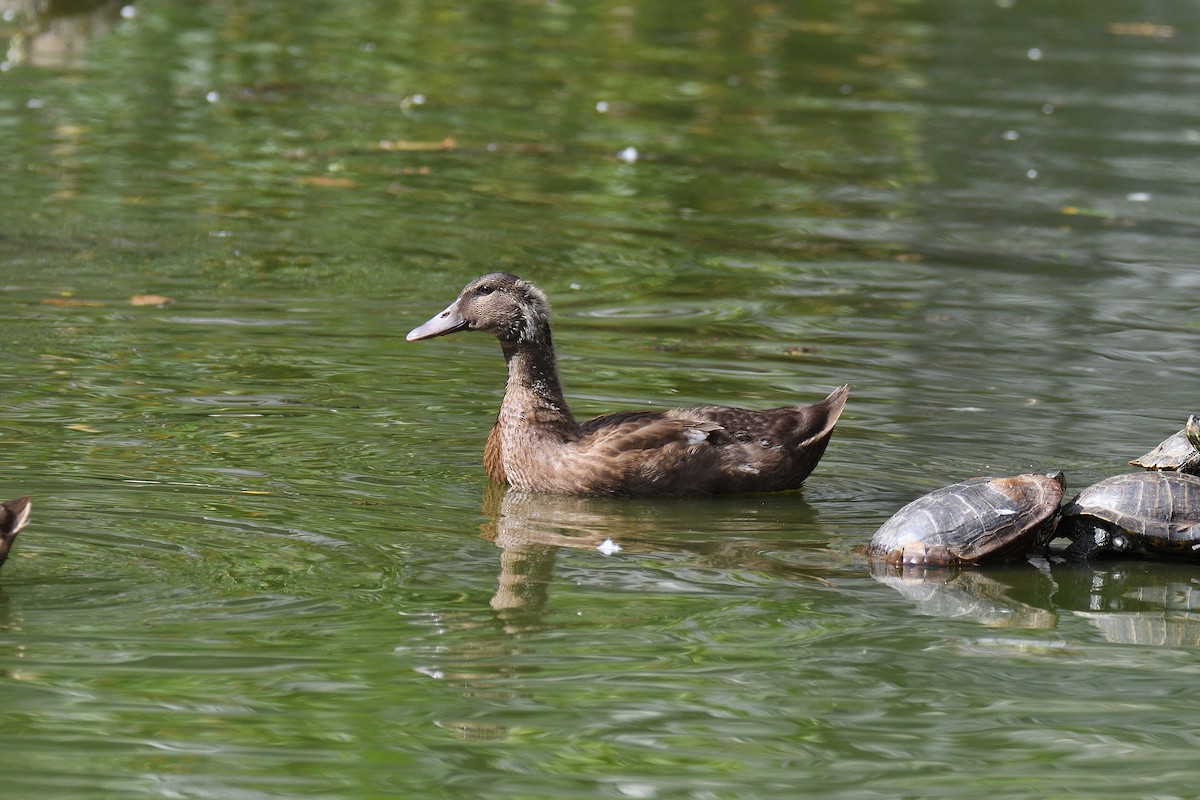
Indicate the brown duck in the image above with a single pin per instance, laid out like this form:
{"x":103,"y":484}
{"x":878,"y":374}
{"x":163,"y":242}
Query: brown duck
{"x":13,"y":516}
{"x":537,"y":445}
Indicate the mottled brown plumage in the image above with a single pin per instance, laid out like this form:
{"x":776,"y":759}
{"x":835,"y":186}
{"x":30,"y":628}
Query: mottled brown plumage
{"x":537,"y":445}
{"x":13,"y":516}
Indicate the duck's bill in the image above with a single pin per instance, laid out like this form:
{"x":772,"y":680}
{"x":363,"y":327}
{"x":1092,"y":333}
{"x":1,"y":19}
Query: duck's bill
{"x":449,"y":321}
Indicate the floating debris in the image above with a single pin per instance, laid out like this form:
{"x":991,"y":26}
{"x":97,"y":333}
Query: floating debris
{"x":608,"y":547}
{"x":1141,"y":29}
{"x":159,"y":300}
{"x":73,"y":302}
{"x":418,"y":146}
{"x":327,"y":180}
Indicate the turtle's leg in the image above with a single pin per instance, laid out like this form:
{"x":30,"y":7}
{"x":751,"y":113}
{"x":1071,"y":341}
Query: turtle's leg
{"x":1051,"y":529}
{"x":1088,"y":540}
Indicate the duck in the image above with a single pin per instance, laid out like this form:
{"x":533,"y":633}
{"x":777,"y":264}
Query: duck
{"x":13,"y":516}
{"x":537,"y":445}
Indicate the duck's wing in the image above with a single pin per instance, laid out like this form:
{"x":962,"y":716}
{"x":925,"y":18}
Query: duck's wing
{"x":707,"y":450}
{"x":644,"y":453}
{"x":611,"y":435}
{"x":789,"y":427}
{"x":770,"y":450}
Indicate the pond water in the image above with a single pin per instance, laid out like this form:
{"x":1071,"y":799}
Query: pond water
{"x":264,"y":560}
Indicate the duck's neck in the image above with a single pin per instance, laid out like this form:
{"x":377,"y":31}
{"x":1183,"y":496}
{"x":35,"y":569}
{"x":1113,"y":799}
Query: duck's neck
{"x":533,"y":394}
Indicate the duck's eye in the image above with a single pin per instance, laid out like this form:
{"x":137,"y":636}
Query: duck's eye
{"x":485,"y":290}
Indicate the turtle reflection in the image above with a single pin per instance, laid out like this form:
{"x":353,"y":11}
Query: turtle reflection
{"x":1134,"y":602}
{"x":1013,"y":596}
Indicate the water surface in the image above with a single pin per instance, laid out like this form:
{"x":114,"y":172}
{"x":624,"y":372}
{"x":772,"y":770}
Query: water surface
{"x":264,"y":559}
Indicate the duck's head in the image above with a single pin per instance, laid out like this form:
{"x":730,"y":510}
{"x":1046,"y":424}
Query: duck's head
{"x":510,"y":308}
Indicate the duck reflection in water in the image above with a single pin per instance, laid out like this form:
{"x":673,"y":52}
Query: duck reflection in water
{"x":532,"y":528}
{"x":677,"y":546}
{"x":55,"y":33}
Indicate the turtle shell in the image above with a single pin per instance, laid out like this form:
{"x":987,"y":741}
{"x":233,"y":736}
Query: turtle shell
{"x":977,"y":520}
{"x":1180,"y":451}
{"x":1154,"y":513}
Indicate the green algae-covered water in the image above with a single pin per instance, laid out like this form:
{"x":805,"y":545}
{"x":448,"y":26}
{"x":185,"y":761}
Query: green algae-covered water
{"x":264,"y":561}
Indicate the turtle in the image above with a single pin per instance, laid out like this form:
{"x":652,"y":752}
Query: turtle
{"x":1179,"y":452}
{"x":971,"y":522}
{"x":1141,"y":513}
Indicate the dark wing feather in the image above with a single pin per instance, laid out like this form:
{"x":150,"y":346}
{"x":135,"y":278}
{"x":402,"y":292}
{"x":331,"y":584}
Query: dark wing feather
{"x":617,"y":418}
{"x":613,"y":434}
